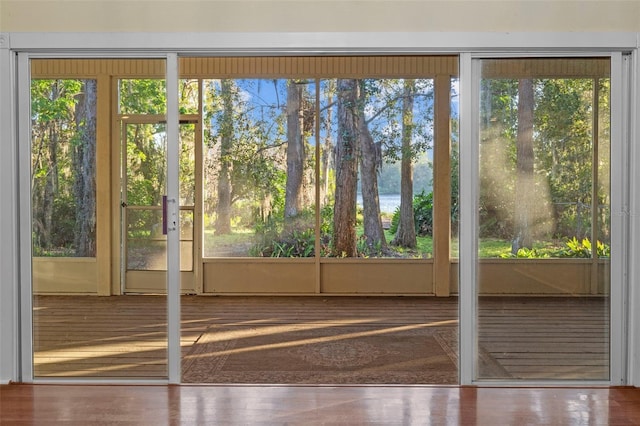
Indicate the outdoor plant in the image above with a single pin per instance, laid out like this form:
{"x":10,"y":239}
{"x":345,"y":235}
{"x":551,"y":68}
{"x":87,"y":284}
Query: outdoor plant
{"x":367,"y":250}
{"x":526,"y":253}
{"x":583,"y":248}
{"x":422,"y":213}
{"x":272,"y":240}
{"x":573,"y":248}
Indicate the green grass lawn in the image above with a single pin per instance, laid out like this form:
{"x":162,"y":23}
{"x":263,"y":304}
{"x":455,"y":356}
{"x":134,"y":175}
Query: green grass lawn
{"x":240,"y":240}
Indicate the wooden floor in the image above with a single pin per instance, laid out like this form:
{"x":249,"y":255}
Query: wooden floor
{"x":519,"y":338}
{"x":315,"y":405}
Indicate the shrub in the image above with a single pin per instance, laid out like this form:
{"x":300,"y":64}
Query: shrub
{"x":583,"y":248}
{"x":422,"y":215}
{"x":574,"y":248}
{"x":272,"y":240}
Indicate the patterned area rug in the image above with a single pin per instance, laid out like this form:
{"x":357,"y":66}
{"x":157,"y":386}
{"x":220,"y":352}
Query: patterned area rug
{"x":323,"y":354}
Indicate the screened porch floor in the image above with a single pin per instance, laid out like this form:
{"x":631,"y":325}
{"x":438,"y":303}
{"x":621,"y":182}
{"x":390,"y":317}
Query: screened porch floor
{"x":319,"y":339}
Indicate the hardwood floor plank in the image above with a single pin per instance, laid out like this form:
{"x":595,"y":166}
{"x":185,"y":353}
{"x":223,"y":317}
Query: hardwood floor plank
{"x":315,"y":405}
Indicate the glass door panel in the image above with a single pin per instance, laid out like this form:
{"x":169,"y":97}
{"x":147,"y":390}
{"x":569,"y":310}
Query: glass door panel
{"x":143,"y":211}
{"x":76,"y":333}
{"x":543,"y":274}
{"x":145,"y":166}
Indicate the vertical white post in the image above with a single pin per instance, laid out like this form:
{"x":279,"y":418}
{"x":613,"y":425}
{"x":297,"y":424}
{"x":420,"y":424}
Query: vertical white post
{"x":634,"y":223}
{"x":9,"y":300}
{"x":24,"y":189}
{"x":620,"y":172}
{"x":468,"y":218}
{"x":173,"y":219}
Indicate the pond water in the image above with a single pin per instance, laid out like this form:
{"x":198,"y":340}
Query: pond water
{"x":388,"y":202}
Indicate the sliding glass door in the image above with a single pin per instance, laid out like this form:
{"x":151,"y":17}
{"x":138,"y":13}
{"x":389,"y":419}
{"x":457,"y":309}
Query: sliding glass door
{"x":78,"y":210}
{"x":544,"y":237}
{"x":152,"y":178}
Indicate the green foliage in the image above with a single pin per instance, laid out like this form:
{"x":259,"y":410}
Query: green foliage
{"x":573,"y":248}
{"x":422,"y":212}
{"x":395,"y":222}
{"x":389,"y":176}
{"x":295,"y":244}
{"x":54,"y":135}
{"x":62,"y":230}
{"x":584,"y":248}
{"x":366,"y":250}
{"x":384,"y":99}
{"x":525,"y":253}
{"x":143,"y":96}
{"x":326,"y":220}
{"x":273,"y":239}
{"x":577,"y":248}
{"x":265,"y":233}
{"x":563,"y":149}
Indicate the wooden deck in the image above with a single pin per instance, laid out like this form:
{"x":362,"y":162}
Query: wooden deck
{"x":125,"y":336}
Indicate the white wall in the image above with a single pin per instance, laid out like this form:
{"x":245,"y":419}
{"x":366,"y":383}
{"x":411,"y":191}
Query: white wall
{"x":318,"y":15}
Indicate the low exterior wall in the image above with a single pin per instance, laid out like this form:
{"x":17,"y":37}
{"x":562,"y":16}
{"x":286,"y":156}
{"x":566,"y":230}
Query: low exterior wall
{"x":350,"y":276}
{"x":259,"y":276}
{"x":539,"y":277}
{"x":65,"y":275}
{"x":343,"y":276}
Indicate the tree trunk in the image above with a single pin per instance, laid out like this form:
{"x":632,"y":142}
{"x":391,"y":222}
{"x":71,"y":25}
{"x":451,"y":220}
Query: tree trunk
{"x":325,"y":159}
{"x":524,"y":167}
{"x":344,"y":210}
{"x":370,"y":162}
{"x":223,"y":208}
{"x":51,"y":185}
{"x":295,"y":151}
{"x":406,"y":233}
{"x":85,"y":172}
{"x":50,"y":188}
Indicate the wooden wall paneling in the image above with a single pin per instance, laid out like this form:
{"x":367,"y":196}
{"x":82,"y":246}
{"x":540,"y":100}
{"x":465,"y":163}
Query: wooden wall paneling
{"x":442,"y":185}
{"x":103,"y":186}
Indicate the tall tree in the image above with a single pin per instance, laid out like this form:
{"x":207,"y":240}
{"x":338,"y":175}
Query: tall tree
{"x":57,"y":131}
{"x":51,"y":111}
{"x":223,"y":207}
{"x":85,"y":170}
{"x":370,"y":162}
{"x":499,"y":120}
{"x":51,"y":185}
{"x":406,"y":233}
{"x":524,"y":167}
{"x":346,"y":163}
{"x":295,"y":150}
{"x":327,"y":152}
{"x":563,"y":148}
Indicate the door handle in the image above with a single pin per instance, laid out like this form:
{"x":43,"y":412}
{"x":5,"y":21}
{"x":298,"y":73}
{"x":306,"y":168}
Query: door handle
{"x":166,"y":226}
{"x":164,"y":215}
